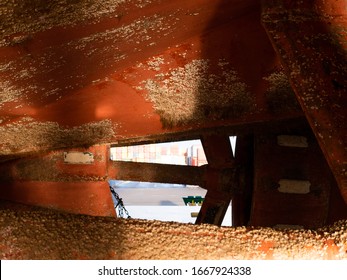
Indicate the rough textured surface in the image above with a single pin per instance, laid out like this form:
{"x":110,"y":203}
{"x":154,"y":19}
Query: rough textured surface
{"x":280,"y":95}
{"x":31,"y":16}
{"x":197,"y":91}
{"x":28,"y":135}
{"x":67,"y":65}
{"x":34,"y":233}
{"x":69,"y":78}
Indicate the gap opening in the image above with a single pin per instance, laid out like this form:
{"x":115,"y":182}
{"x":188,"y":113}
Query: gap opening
{"x":162,"y":201}
{"x":188,"y":152}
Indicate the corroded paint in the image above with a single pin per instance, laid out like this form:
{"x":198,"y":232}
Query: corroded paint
{"x":194,"y":93}
{"x":27,"y":135}
{"x":310,"y":39}
{"x":49,"y":181}
{"x":87,"y":63}
{"x":89,"y":198}
{"x":116,"y":70}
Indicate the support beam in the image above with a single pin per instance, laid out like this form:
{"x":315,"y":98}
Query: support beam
{"x":219,"y":178}
{"x":309,"y":37}
{"x":155,"y":172}
{"x":218,"y":150}
{"x":213,"y":208}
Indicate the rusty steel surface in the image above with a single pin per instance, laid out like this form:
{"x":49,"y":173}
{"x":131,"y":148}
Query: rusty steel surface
{"x":220,"y":178}
{"x":76,"y":181}
{"x":79,"y":76}
{"x":88,"y":72}
{"x":51,"y":181}
{"x":292,"y":181}
{"x":310,"y":38}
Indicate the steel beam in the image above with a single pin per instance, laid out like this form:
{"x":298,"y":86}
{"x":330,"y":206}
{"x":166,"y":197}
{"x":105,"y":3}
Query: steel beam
{"x":310,"y":39}
{"x":218,"y":150}
{"x":219,"y":178}
{"x":213,"y":208}
{"x":155,"y":172}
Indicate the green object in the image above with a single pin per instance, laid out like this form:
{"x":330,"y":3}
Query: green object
{"x":193,"y":200}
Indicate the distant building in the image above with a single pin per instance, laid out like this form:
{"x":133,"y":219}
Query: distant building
{"x":196,"y":156}
{"x":169,"y":153}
